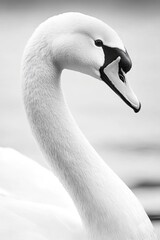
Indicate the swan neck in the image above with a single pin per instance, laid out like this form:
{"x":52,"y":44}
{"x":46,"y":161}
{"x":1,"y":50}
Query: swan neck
{"x":68,"y":152}
{"x":97,"y":192}
{"x":71,"y":157}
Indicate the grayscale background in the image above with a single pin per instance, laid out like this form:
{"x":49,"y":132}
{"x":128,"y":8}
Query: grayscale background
{"x":128,"y":142}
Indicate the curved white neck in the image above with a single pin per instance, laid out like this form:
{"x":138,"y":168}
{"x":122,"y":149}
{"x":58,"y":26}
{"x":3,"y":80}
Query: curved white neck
{"x":98,"y":193}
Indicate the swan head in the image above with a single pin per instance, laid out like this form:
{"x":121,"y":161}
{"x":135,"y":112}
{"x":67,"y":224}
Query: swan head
{"x":88,"y":45}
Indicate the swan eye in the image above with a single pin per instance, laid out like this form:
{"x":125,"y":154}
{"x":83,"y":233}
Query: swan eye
{"x":98,"y":42}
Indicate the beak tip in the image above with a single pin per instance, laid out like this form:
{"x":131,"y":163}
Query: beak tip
{"x":136,"y":110}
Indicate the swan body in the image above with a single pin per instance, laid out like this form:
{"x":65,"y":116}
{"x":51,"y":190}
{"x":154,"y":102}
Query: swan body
{"x":33,"y":203}
{"x":107,"y":209}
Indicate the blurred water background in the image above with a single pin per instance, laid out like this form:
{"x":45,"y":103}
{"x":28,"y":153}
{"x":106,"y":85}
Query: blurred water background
{"x":128,"y":142}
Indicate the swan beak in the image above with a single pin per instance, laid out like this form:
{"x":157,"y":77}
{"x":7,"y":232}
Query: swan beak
{"x":118,"y":83}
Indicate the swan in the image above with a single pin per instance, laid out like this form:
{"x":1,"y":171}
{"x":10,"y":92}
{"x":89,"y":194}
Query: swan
{"x":91,"y":202}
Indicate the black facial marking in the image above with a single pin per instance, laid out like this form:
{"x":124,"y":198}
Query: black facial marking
{"x":125,"y":64}
{"x":112,"y":54}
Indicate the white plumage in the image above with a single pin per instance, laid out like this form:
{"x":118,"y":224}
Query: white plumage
{"x":34,"y":205}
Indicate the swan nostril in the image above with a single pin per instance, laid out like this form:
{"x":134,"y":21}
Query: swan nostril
{"x":121,"y":76}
